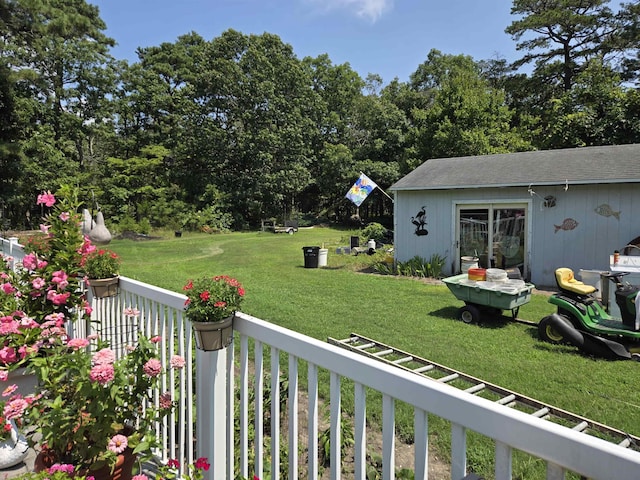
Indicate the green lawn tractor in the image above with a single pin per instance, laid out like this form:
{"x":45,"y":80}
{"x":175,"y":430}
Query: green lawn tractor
{"x":583,"y":321}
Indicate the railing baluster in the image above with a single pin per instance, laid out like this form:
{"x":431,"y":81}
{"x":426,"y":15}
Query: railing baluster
{"x":503,"y":461}
{"x":293,"y":416}
{"x":312,"y":421}
{"x":275,"y":414}
{"x":555,"y":472}
{"x":244,"y":406}
{"x":458,"y":451}
{"x":421,"y":444}
{"x":360,"y":434}
{"x":230,"y":410}
{"x":336,"y":441}
{"x":259,"y":410}
{"x":388,"y":437}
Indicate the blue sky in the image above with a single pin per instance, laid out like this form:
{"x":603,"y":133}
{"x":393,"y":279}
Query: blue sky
{"x":387,"y":37}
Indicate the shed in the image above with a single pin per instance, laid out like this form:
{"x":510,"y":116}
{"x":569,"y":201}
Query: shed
{"x":536,"y":211}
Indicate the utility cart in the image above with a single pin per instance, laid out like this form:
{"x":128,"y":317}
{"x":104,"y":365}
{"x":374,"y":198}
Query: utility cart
{"x":489,"y":298}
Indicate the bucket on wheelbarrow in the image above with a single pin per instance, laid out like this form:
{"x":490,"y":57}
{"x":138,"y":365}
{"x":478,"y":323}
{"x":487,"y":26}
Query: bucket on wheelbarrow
{"x":477,"y":274}
{"x":468,"y":262}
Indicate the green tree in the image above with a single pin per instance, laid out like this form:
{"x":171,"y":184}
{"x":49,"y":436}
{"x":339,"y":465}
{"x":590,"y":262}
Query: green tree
{"x":466,"y":116}
{"x":57,"y":56}
{"x":596,"y":111}
{"x":565,"y":34}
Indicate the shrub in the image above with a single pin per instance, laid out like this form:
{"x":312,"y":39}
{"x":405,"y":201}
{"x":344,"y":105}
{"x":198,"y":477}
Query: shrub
{"x":416,"y":267}
{"x":374,"y":231}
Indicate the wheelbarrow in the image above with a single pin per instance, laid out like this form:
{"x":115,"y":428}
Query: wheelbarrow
{"x":489,"y":298}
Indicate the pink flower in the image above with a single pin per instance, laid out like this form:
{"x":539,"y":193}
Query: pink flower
{"x":202,"y":464}
{"x":4,"y":375}
{"x":165,"y":401}
{"x":177,"y":361}
{"x":156,"y":339}
{"x":153,"y":367}
{"x":106,"y":356}
{"x":220,"y":304}
{"x":30,"y":261}
{"x":87,"y":247}
{"x":9,"y":390}
{"x":61,"y":467}
{"x":8,"y":355}
{"x":118,"y":443}
{"x":78,"y":343}
{"x":140,"y":476}
{"x":58,"y":298}
{"x":131,"y":312}
{"x":60,"y":278}
{"x":64,"y":216}
{"x":8,"y":288}
{"x":11,"y":326}
{"x":25,"y":350}
{"x":38,"y":283}
{"x":14,"y":408}
{"x":46,"y":198}
{"x":102,"y":373}
{"x":44,"y":228}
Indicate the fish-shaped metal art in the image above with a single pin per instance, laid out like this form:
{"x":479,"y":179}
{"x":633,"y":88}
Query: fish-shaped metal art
{"x":606,"y":211}
{"x":567,"y":224}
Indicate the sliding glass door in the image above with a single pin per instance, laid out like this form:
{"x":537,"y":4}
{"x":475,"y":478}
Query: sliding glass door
{"x":494,"y":233}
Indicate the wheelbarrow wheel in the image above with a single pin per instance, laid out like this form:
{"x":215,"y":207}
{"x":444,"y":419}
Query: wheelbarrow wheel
{"x":469,"y":314}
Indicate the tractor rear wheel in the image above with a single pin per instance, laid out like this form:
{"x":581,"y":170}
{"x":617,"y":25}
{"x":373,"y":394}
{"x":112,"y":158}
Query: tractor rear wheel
{"x":548,"y":331}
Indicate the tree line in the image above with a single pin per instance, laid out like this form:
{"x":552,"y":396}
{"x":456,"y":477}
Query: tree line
{"x":221,"y":133}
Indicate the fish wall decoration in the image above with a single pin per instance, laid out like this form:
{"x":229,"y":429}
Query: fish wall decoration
{"x":567,"y":224}
{"x":606,"y":211}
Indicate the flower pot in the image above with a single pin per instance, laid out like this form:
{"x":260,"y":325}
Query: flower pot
{"x":14,"y":449}
{"x":212,"y":336}
{"x":122,"y":470}
{"x":104,"y":287}
{"x":26,"y":382}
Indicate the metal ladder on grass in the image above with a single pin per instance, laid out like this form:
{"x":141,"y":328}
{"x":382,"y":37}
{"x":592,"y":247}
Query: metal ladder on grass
{"x":407,"y":361}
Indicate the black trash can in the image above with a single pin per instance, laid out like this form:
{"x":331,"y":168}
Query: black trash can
{"x":311,"y":255}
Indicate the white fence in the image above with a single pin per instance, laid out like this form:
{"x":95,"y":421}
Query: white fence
{"x":562,"y":448}
{"x":259,"y":343}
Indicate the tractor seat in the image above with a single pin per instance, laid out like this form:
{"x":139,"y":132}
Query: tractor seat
{"x":567,"y":282}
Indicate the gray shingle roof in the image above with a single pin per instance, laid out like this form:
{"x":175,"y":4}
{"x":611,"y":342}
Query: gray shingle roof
{"x":608,"y":164}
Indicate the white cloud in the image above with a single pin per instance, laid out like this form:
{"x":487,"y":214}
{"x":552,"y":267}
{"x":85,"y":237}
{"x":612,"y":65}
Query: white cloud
{"x":370,"y":9}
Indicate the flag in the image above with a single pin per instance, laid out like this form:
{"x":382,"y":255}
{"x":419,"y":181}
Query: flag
{"x":361,"y":189}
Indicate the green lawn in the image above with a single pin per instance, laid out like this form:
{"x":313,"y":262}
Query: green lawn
{"x":405,"y":313}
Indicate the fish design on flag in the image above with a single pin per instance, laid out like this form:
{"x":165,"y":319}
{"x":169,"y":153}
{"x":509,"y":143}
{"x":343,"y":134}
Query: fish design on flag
{"x":567,"y":224}
{"x":606,"y":211}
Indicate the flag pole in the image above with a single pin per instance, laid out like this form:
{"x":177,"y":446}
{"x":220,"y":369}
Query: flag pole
{"x":385,"y":193}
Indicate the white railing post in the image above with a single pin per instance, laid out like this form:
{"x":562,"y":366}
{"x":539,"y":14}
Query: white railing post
{"x":211,"y":405}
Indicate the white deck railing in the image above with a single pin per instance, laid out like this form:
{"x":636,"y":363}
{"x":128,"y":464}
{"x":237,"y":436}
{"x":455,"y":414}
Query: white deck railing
{"x":259,"y":343}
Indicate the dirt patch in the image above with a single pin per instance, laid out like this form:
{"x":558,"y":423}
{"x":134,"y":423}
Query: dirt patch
{"x":404,"y":453}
